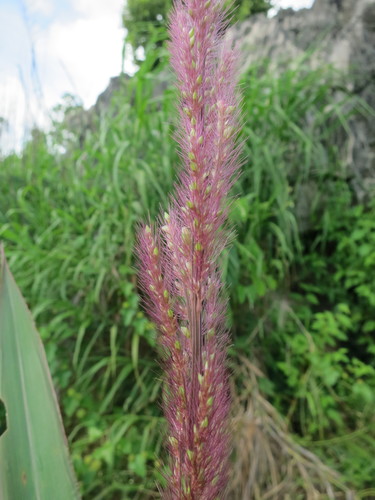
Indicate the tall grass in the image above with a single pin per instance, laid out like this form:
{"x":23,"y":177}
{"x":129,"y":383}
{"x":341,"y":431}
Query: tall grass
{"x":68,"y":221}
{"x":68,"y":212}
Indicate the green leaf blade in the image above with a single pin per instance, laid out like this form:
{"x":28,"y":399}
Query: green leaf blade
{"x":34,"y":457}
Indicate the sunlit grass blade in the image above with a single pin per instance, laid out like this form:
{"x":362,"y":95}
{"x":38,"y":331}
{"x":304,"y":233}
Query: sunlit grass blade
{"x":34,"y":457}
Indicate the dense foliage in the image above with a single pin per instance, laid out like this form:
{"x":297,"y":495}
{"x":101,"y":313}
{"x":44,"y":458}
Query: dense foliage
{"x":300,"y":274}
{"x":142,"y":18}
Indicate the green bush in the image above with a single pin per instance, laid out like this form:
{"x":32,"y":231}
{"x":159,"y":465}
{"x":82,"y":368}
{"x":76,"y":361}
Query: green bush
{"x":325,"y":357}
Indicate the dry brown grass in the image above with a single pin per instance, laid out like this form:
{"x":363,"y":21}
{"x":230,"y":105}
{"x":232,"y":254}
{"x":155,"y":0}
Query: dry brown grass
{"x":268,"y":462}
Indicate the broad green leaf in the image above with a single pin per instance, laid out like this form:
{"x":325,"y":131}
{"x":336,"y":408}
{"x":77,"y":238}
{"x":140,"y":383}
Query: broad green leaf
{"x":34,"y":457}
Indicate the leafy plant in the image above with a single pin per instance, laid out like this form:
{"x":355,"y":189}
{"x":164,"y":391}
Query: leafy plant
{"x":327,"y":356}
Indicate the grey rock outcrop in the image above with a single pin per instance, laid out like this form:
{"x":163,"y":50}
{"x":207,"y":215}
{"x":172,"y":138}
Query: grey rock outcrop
{"x":342,"y":34}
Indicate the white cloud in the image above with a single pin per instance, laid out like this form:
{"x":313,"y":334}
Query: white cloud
{"x":44,"y":7}
{"x":12,"y":108}
{"x":97,"y":8}
{"x":13,"y":38}
{"x":294,"y":4}
{"x":80,"y":56}
{"x":81,"y":53}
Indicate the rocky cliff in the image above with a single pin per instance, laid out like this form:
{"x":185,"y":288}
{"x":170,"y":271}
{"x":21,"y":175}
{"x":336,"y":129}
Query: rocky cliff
{"x":340,"y":33}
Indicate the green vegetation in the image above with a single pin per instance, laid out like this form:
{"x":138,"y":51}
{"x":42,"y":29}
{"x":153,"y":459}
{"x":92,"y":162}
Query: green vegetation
{"x":143,"y":18}
{"x":300,"y":274}
{"x":33,"y":451}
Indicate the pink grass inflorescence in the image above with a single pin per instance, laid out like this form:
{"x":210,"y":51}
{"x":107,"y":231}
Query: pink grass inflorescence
{"x":178,"y":256}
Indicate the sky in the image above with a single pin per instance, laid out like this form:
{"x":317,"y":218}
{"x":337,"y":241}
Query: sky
{"x":52,"y":47}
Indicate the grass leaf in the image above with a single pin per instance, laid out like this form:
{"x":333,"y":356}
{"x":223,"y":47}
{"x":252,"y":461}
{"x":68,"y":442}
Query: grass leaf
{"x":34,"y":456}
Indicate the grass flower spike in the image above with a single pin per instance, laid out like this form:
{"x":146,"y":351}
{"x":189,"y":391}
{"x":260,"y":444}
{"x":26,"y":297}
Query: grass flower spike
{"x":179,"y":255}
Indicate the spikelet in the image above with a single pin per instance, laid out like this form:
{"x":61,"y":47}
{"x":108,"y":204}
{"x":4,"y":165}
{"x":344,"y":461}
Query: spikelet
{"x":179,"y":257}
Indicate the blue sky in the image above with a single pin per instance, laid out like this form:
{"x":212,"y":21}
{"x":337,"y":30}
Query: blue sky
{"x":51,"y":47}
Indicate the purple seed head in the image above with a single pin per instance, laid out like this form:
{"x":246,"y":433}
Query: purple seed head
{"x":179,"y":256}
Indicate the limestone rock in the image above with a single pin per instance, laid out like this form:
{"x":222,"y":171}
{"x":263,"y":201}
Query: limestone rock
{"x":342,"y":34}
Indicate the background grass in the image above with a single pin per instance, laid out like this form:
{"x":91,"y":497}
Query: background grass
{"x":300,"y":274}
